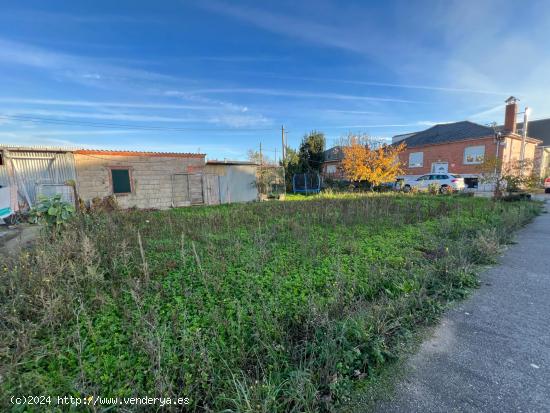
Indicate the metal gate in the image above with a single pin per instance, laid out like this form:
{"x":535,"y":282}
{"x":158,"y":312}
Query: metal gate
{"x":195,"y":189}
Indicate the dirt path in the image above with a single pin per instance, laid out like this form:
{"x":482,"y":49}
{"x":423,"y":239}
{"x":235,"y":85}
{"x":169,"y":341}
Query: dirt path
{"x":21,"y":237}
{"x":491,"y":353}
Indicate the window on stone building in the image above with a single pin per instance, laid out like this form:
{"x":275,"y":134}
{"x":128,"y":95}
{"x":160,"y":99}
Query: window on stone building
{"x":121,"y":181}
{"x":474,"y":154}
{"x":416,"y":159}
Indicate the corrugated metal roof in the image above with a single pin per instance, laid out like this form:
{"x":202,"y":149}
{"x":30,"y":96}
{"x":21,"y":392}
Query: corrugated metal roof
{"x":139,"y":153}
{"x":87,"y":151}
{"x":41,"y":148}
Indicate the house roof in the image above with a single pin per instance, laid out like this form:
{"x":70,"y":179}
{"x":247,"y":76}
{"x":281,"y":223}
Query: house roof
{"x":448,"y":132}
{"x":399,"y":138}
{"x":539,"y":129}
{"x":333,"y":154}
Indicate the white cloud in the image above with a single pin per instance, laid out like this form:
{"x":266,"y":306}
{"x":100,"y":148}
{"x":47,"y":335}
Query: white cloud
{"x":299,"y":94}
{"x":102,"y":116}
{"x":312,"y":32}
{"x":73,"y":67}
{"x":448,"y":88}
{"x":96,"y":104}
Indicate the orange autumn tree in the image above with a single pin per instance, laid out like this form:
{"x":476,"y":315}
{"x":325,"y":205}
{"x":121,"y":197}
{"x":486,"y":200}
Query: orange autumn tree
{"x":374,"y":162}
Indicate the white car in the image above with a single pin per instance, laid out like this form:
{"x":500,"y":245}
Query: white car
{"x":443,"y":182}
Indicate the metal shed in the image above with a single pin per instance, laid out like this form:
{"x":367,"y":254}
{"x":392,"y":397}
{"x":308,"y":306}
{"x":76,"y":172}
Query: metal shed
{"x":33,"y":171}
{"x":237,"y":180}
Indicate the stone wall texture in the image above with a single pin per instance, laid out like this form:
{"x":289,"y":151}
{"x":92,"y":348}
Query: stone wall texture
{"x":150,"y":176}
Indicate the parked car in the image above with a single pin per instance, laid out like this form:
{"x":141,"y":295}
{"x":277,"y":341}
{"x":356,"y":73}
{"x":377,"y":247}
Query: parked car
{"x":444,"y":183}
{"x":547,"y":185}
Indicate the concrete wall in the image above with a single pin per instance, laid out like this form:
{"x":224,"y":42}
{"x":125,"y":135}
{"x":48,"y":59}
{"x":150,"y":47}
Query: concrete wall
{"x":237,"y":183}
{"x":512,"y":152}
{"x":542,"y":161}
{"x":150,"y":176}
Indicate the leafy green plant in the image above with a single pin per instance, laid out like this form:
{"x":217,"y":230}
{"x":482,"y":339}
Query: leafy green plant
{"x":51,"y":211}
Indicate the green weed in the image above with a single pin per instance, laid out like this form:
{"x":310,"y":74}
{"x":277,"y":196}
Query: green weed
{"x":271,"y":307}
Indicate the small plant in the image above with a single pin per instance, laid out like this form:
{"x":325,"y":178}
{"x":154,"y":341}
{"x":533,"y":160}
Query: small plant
{"x":51,"y":211}
{"x":433,"y":189}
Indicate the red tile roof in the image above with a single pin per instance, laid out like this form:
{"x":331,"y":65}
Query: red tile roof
{"x":139,"y":153}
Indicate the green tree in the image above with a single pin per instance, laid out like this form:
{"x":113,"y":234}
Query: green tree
{"x":311,"y":151}
{"x":291,"y":163}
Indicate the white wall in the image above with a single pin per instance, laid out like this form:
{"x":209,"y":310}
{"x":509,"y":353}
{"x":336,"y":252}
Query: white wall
{"x":238,"y":184}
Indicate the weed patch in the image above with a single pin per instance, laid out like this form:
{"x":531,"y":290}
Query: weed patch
{"x":271,"y":307}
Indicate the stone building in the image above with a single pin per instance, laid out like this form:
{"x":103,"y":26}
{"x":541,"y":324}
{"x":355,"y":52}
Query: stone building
{"x":141,"y":179}
{"x":135,"y":179}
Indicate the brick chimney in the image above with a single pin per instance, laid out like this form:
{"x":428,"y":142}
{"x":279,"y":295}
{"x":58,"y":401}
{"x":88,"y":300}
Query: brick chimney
{"x":510,"y":114}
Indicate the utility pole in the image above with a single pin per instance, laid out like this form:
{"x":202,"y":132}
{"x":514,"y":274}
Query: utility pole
{"x":275,"y":155}
{"x":524,"y":137}
{"x":261,"y":157}
{"x":283,"y":153}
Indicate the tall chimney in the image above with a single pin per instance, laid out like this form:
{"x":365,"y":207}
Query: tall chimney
{"x":510,"y":114}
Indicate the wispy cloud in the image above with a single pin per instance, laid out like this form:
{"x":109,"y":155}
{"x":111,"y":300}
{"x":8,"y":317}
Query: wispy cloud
{"x":388,"y":85}
{"x":485,"y":114}
{"x":352,"y":112}
{"x":239,"y":121}
{"x":107,"y":104}
{"x":75,"y":132}
{"x":312,"y":32}
{"x":194,"y":97}
{"x":388,"y":125}
{"x":300,"y":94}
{"x":235,"y":59}
{"x":103,"y":116}
{"x":76,"y":68}
{"x":81,"y":18}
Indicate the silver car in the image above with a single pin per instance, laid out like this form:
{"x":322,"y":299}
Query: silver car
{"x":443,"y":182}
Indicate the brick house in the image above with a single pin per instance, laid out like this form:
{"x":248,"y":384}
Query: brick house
{"x":331,"y":167}
{"x":461,"y":147}
{"x":458,"y":147}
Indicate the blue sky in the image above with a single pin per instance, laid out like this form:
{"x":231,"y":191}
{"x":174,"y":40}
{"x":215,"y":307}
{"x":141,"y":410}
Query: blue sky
{"x":221,"y":76}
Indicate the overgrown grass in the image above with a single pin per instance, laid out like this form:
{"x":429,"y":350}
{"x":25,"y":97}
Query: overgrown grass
{"x":272,"y":307}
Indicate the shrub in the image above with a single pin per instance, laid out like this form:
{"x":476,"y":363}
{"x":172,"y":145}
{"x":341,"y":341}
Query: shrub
{"x":51,"y":211}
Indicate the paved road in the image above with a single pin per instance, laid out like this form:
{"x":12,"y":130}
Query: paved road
{"x":491,"y":353}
